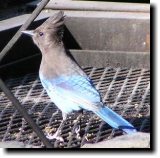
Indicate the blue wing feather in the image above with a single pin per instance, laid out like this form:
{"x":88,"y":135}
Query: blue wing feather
{"x":75,"y":92}
{"x":72,"y":89}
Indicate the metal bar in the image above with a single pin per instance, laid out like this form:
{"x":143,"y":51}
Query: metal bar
{"x":22,"y":110}
{"x":4,"y":88}
{"x":98,"y":6}
{"x":19,"y":61}
{"x":23,"y":27}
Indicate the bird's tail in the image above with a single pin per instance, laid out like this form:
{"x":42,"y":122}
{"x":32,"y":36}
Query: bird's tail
{"x":115,"y":120}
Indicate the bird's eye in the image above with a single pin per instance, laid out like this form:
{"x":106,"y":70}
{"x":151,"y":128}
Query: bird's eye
{"x":41,"y":33}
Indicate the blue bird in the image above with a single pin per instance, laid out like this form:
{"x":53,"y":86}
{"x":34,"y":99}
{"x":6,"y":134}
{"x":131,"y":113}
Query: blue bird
{"x":65,"y":82}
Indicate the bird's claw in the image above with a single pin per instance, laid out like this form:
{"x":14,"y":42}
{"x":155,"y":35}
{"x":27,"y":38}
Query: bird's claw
{"x":77,"y":129}
{"x":55,"y":136}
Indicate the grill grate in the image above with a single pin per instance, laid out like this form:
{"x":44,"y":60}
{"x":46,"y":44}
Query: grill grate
{"x":126,"y":91}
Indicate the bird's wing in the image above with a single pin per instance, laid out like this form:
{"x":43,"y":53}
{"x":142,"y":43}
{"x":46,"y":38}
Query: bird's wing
{"x":78,"y":89}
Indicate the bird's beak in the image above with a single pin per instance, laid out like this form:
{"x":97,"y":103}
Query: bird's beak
{"x":28,"y":32}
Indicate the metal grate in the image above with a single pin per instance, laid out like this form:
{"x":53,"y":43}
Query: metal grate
{"x":126,"y":91}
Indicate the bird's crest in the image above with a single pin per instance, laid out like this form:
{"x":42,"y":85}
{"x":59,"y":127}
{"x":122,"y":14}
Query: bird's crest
{"x":50,"y":32}
{"x":54,"y":22}
{"x":54,"y":25}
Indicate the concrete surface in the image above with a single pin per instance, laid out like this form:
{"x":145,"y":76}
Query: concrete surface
{"x":137,"y":140}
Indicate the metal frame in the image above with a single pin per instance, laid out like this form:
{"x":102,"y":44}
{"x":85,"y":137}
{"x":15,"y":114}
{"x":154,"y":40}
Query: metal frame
{"x":98,"y":6}
{"x":36,"y":12}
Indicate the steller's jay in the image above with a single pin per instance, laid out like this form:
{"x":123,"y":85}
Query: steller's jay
{"x":65,"y":82}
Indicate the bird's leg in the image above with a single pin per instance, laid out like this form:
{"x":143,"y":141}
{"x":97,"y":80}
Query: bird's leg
{"x":58,"y":132}
{"x":77,"y":127}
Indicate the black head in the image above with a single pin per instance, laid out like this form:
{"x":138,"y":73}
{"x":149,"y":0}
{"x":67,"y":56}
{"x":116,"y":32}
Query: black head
{"x":50,"y":32}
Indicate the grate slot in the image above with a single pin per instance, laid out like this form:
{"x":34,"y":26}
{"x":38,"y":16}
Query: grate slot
{"x":126,"y":91}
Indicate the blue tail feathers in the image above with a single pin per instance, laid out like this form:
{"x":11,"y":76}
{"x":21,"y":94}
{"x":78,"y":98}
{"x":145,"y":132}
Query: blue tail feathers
{"x":115,"y":120}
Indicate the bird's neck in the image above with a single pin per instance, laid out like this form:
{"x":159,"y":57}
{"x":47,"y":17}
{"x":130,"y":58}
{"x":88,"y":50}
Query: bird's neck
{"x":54,"y":53}
{"x":56,"y":62}
{"x":54,"y":57}
{"x":55,"y":49}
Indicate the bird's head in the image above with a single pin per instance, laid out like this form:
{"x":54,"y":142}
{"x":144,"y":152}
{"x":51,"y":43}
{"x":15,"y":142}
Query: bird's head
{"x":49,"y":33}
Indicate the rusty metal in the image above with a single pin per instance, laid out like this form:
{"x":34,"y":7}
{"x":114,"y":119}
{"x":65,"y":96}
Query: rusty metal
{"x":23,"y":112}
{"x":126,"y":91}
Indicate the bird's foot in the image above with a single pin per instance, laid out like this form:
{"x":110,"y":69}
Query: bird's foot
{"x":77,"y":131}
{"x":55,"y":136}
